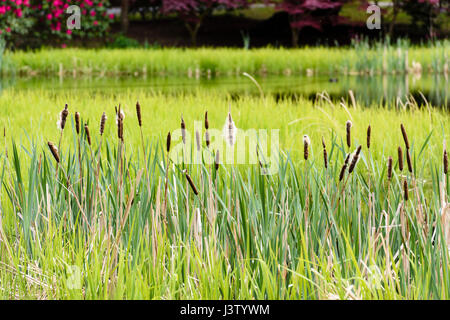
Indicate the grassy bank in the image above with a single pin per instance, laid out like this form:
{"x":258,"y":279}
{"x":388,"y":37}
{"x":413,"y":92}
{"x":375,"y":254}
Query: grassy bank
{"x":359,"y":59}
{"x":112,"y":218}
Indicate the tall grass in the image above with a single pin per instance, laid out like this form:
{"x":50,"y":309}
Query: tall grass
{"x":227,"y":231}
{"x":361,"y":58}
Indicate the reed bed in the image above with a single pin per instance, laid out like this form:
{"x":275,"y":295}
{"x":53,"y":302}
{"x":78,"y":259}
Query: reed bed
{"x":37,"y":111}
{"x":360,"y":58}
{"x":99,"y":218}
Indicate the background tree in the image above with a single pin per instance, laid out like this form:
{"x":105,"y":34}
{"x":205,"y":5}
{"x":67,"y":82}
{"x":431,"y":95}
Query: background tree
{"x":310,"y":13}
{"x":193,"y":12}
{"x":124,"y":20}
{"x":424,"y":12}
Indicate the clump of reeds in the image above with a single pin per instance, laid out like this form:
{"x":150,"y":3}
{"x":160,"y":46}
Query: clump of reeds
{"x":348,"y":129}
{"x":306,"y":143}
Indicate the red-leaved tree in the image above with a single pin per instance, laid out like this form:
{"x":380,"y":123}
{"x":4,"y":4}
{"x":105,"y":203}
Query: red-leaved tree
{"x":193,"y":12}
{"x":310,"y":13}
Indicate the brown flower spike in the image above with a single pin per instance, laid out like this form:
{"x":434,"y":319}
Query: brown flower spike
{"x":54,"y":151}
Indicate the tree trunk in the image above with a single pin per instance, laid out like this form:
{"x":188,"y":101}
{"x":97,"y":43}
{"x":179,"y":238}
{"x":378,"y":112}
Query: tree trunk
{"x":394,"y":18}
{"x":125,"y":5}
{"x":193,"y":31}
{"x":294,"y":34}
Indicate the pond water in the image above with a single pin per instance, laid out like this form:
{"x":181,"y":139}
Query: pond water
{"x":368,"y":90}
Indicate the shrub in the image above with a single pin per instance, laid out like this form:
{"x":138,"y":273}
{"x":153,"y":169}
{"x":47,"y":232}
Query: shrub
{"x":15,"y":18}
{"x":94,"y":18}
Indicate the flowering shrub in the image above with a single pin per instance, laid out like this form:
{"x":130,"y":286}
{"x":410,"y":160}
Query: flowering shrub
{"x":94,"y":19}
{"x":14,"y":17}
{"x":48,"y":18}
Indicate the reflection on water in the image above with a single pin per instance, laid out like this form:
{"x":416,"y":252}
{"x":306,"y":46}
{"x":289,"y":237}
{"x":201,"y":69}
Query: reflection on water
{"x":368,"y":90}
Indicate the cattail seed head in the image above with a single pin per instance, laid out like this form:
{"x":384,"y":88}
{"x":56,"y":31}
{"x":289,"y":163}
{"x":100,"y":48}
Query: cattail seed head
{"x":445,"y":162}
{"x":408,"y":161}
{"x":102,"y":123}
{"x":54,"y":151}
{"x":207,"y":139}
{"x":369,"y":131}
{"x":138,"y":113}
{"x":191,"y":183}
{"x":217,"y":160}
{"x":120,"y":115}
{"x":61,"y":123}
{"x":230,"y":130}
{"x":183,"y":130}
{"x":389,"y":169}
{"x":346,"y":159}
{"x":77,"y":122}
{"x":206,"y":121}
{"x":88,"y":135}
{"x":405,"y":136}
{"x":405,"y":190}
{"x":348,"y":127}
{"x":400,"y":159}
{"x":168,"y":142}
{"x":344,"y":167}
{"x":354,"y":160}
{"x":325,"y":155}
{"x":306,"y":143}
